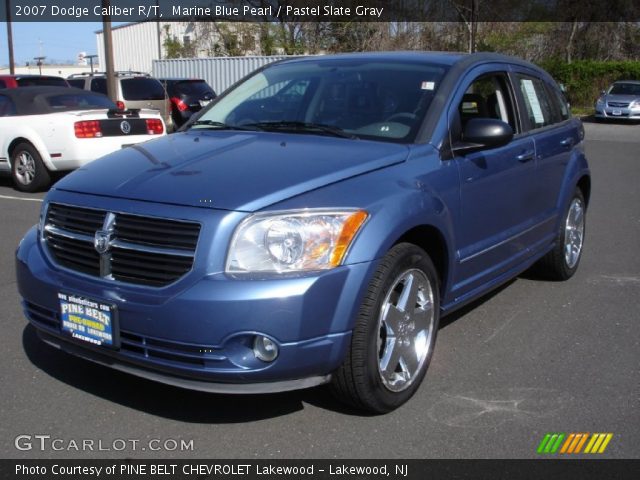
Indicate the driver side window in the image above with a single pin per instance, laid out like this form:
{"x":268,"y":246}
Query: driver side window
{"x":488,"y":96}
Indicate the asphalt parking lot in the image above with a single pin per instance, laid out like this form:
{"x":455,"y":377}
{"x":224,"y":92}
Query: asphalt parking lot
{"x":532,"y":358}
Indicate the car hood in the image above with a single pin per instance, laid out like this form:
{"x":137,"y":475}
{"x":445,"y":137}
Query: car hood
{"x":243,"y":171}
{"x":622,"y":98}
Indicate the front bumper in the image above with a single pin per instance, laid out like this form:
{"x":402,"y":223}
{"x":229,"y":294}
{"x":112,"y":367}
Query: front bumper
{"x":198,"y":333}
{"x":617,"y":113}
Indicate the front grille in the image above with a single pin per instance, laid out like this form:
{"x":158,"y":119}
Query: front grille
{"x":618,"y":104}
{"x":180,"y":354}
{"x":148,"y":268}
{"x":74,"y":254}
{"x":141,"y":250}
{"x":42,"y":316}
{"x":73,"y":219}
{"x":156,"y":231}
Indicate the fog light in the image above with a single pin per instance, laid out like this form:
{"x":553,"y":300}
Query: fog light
{"x":265,"y":349}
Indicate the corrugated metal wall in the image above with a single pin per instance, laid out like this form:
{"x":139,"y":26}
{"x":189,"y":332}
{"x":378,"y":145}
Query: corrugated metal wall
{"x":219,"y":72}
{"x":134,"y":46}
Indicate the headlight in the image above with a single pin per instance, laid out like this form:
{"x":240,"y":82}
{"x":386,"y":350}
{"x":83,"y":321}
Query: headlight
{"x":295,"y":241}
{"x":599,"y":102}
{"x":635,"y":104}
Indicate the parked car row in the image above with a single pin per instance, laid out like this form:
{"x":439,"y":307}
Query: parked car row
{"x":49,"y":124}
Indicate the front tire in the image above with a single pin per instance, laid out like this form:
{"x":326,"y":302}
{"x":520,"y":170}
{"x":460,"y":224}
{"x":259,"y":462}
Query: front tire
{"x":562,"y":262}
{"x":27,"y":169}
{"x":394,"y":335}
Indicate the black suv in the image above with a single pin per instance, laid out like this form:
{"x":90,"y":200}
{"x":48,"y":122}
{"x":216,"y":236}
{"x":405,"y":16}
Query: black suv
{"x":187,"y":96}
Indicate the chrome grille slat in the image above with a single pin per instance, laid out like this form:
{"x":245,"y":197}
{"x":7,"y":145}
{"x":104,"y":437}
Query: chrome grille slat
{"x":141,"y":250}
{"x":158,"y":232}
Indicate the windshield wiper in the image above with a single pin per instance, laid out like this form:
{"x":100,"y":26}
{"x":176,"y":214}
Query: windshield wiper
{"x":306,"y":127}
{"x":214,"y":125}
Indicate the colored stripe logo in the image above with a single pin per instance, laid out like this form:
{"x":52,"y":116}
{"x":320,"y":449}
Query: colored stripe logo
{"x":571,"y":443}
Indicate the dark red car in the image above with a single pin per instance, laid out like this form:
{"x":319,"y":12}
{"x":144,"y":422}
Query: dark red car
{"x":15,"y":81}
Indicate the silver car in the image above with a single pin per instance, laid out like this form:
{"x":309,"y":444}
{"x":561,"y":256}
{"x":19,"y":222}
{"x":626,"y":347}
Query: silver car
{"x":620,"y":101}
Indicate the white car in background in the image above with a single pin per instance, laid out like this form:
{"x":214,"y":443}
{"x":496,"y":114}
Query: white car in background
{"x":50,"y":129}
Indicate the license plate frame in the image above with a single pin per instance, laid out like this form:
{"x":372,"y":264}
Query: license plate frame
{"x":616,"y":111}
{"x":89,"y":321}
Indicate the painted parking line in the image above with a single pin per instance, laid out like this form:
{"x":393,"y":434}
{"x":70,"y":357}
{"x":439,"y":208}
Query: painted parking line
{"x":9,"y":197}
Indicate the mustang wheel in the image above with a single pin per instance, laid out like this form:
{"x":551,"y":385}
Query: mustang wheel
{"x":28,"y":172}
{"x":562,"y":262}
{"x":395,"y":332}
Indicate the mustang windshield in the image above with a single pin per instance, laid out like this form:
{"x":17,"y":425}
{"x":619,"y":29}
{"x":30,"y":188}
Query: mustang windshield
{"x":378,"y":100}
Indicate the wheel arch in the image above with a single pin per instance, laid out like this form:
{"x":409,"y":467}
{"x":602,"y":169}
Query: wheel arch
{"x":584,"y":184}
{"x":432,"y":241}
{"x":35,"y":143}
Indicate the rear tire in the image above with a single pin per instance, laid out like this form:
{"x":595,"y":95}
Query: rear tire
{"x":562,"y":262}
{"x":394,"y":335}
{"x":27,"y":169}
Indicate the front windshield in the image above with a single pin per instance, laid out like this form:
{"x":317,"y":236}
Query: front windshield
{"x":379,"y":100}
{"x":625,"y":89}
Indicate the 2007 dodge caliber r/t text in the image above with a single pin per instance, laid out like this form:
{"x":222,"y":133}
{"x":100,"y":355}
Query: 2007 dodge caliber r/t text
{"x":312,"y":225}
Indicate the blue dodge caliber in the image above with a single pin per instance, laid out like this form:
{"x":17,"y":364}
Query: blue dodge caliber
{"x":312,"y":225}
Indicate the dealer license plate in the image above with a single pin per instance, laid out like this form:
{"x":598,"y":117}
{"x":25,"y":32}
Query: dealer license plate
{"x":88,"y":320}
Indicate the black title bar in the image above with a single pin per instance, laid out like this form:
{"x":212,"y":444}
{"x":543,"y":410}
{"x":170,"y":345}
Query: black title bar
{"x":583,"y":469}
{"x":323,"y":10}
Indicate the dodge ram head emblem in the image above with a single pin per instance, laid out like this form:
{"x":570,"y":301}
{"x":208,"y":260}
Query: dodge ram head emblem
{"x":101,"y":241}
{"x":125,"y":127}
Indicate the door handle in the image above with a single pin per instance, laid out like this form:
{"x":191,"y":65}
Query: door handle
{"x":525,"y":157}
{"x":567,"y":142}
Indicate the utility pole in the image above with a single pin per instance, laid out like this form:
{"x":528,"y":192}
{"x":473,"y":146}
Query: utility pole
{"x":158,"y":34}
{"x":474,"y":26}
{"x":12,"y":64}
{"x":108,"y":52}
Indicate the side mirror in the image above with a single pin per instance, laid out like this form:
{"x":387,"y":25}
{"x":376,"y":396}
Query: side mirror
{"x":602,"y":92}
{"x":484,"y":133}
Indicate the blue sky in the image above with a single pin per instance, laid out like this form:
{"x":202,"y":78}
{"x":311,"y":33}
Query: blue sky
{"x":61,"y":41}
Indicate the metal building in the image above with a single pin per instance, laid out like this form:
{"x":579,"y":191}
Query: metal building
{"x":219,"y":72}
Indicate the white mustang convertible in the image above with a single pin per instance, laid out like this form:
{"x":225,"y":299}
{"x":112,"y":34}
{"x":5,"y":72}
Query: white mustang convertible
{"x":47,"y":129}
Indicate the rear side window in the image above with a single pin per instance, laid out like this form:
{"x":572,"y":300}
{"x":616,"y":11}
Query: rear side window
{"x":79,"y":102}
{"x":99,"y":85}
{"x":559,"y":102}
{"x":536,"y":100}
{"x":7,"y":108}
{"x":78,"y":82}
{"x":142,"y":88}
{"x":193,"y":88}
{"x":42,"y":82}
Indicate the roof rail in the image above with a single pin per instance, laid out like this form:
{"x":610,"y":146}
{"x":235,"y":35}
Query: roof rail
{"x":119,"y":73}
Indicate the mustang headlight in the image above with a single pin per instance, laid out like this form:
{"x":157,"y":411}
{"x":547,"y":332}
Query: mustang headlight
{"x":294,"y":241}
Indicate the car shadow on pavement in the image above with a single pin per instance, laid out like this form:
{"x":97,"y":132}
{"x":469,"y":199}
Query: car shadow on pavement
{"x":152,"y":397}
